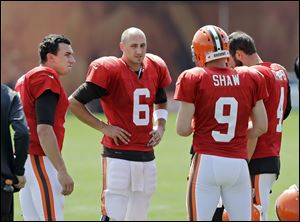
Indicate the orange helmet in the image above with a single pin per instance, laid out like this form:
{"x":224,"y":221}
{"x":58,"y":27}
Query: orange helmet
{"x":256,"y":213}
{"x":287,"y":204}
{"x":209,"y":43}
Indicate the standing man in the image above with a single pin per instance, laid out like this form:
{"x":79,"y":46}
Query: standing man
{"x":45,"y":105}
{"x":216,"y":103}
{"x":130,"y":88}
{"x":265,"y":162}
{"x":12,"y":168}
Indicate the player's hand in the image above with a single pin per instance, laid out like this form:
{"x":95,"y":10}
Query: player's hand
{"x":21,"y":182}
{"x":66,"y":182}
{"x":156,"y":135}
{"x":116,"y":133}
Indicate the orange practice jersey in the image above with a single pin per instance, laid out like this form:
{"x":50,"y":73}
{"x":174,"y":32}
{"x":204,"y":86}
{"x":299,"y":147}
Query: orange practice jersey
{"x":223,"y":100}
{"x":269,"y":143}
{"x":30,"y":86}
{"x":129,"y":103}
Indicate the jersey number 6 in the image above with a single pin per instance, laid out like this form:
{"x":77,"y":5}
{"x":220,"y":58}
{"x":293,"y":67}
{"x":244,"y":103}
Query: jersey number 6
{"x":137,"y":107}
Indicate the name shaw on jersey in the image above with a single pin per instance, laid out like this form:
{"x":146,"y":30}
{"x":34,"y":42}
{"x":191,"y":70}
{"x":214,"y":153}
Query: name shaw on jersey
{"x":228,"y":80}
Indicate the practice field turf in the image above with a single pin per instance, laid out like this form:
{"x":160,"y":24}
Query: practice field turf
{"x":82,"y":155}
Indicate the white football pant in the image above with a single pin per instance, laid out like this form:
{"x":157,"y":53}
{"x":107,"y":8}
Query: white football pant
{"x":262,"y":186}
{"x":212,"y":177}
{"x":127,"y":188}
{"x":41,"y":198}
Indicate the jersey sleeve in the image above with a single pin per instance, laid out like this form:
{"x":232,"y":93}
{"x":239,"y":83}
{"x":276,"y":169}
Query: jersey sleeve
{"x":43,"y":81}
{"x":185,"y":88}
{"x":45,"y":108}
{"x":99,"y":75}
{"x":165,"y":78}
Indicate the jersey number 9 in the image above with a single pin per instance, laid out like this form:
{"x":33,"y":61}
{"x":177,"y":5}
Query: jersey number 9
{"x":221,"y":118}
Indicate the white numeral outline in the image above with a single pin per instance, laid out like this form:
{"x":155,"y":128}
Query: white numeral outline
{"x":280,"y":110}
{"x":230,"y":119}
{"x":137,"y":107}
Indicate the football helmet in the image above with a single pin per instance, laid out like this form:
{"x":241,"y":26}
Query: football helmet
{"x":287,"y":204}
{"x":209,"y":43}
{"x":256,"y":213}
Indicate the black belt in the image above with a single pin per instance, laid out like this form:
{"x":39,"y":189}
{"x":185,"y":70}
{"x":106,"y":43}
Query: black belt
{"x":131,"y":155}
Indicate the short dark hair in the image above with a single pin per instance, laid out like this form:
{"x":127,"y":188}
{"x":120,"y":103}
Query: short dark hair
{"x":241,"y":41}
{"x":50,"y":45}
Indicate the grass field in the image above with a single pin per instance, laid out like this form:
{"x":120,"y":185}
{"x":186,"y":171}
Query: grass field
{"x":82,"y":155}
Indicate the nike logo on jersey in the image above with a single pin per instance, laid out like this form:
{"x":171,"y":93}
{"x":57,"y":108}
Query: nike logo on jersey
{"x":52,"y":77}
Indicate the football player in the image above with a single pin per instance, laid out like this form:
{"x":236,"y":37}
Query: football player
{"x":45,"y":105}
{"x":131,"y":90}
{"x":215,"y":105}
{"x":264,"y":165}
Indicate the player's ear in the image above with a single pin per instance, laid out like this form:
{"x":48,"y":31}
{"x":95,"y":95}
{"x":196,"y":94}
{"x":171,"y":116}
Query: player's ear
{"x":122,"y":46}
{"x":50,"y":57}
{"x":239,"y":54}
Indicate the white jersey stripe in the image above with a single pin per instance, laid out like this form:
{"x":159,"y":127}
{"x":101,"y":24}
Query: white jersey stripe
{"x":216,"y":37}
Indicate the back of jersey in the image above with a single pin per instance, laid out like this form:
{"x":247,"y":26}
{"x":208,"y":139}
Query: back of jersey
{"x":223,"y":99}
{"x":268,"y":144}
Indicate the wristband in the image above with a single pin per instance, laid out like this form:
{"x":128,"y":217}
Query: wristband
{"x":160,"y":114}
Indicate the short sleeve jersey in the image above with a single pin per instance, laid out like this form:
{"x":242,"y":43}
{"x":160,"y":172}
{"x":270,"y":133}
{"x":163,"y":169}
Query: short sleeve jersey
{"x":223,"y":100}
{"x":268,"y":144}
{"x":129,"y":102}
{"x":30,"y":86}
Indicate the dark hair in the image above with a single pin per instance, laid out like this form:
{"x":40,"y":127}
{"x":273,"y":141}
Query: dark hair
{"x":50,"y":45}
{"x":241,"y":41}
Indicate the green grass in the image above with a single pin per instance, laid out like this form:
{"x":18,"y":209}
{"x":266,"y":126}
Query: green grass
{"x":82,"y":151}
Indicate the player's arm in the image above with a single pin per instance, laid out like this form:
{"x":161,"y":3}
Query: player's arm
{"x":86,"y":93}
{"x":83,"y":95}
{"x":45,"y":112}
{"x":288,"y":103}
{"x":21,"y":140}
{"x":184,"y":119}
{"x":160,"y":116}
{"x":259,"y":126}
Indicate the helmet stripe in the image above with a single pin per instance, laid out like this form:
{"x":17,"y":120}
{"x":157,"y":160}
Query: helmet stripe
{"x":220,"y":39}
{"x":215,"y":37}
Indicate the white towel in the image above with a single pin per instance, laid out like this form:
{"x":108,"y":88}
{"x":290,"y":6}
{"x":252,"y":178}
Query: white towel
{"x":137,"y":176}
